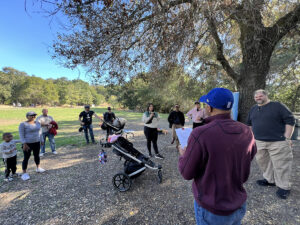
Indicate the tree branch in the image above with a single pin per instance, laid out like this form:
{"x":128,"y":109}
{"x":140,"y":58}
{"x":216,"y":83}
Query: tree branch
{"x":220,"y":53}
{"x":286,"y":23}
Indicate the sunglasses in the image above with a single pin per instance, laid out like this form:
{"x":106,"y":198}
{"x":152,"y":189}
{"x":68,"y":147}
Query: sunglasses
{"x":33,"y":116}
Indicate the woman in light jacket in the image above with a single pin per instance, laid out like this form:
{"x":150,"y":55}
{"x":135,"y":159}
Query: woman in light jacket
{"x":150,"y":119}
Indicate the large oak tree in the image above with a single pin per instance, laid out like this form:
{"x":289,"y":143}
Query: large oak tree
{"x":124,"y":37}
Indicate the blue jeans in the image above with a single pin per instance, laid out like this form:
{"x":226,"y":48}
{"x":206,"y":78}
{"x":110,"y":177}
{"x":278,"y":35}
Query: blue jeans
{"x":90,"y":128}
{"x":204,"y":217}
{"x":51,"y":141}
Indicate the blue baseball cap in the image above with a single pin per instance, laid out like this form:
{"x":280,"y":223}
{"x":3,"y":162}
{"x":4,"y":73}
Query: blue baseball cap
{"x":219,"y":98}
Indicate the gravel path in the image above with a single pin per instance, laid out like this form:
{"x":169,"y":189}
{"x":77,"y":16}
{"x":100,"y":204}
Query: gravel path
{"x":77,"y":189}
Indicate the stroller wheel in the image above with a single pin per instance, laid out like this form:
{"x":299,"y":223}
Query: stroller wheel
{"x":159,"y":176}
{"x":122,"y":182}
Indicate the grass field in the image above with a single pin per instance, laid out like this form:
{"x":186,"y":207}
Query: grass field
{"x":67,"y":119}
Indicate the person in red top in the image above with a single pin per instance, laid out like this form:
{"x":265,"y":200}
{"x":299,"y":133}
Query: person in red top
{"x":218,"y":158}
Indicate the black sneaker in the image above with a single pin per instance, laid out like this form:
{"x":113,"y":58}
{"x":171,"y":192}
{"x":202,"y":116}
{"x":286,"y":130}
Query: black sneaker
{"x":264,"y":182}
{"x":150,"y":155}
{"x":159,"y":156}
{"x":283,"y":194}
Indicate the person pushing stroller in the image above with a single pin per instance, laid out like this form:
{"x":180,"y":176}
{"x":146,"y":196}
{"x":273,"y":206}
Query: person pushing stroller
{"x":109,"y":117}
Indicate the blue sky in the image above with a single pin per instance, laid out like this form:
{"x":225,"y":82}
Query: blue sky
{"x":25,"y":39}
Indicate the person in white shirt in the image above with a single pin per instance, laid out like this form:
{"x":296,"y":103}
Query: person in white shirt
{"x":45,"y":121}
{"x":150,"y":119}
{"x":9,"y":155}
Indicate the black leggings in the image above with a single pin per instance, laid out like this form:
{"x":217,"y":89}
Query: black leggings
{"x":10,"y":165}
{"x":151,"y":135}
{"x":35,"y":147}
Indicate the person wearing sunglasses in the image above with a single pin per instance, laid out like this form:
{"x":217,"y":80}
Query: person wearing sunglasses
{"x":31,"y":138}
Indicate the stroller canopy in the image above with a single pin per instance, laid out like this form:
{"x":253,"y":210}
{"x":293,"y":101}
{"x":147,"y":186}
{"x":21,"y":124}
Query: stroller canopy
{"x":119,"y":123}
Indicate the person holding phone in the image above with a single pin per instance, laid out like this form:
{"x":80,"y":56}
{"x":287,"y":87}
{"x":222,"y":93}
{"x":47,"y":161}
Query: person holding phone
{"x":151,"y":119}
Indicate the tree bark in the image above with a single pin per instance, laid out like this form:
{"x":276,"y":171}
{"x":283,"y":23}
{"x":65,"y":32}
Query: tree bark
{"x":246,"y":88}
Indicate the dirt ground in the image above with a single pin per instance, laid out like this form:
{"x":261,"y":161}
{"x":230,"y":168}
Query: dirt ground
{"x":77,"y":189}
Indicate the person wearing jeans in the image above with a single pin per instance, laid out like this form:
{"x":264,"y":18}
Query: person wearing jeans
{"x":45,"y":121}
{"x":30,"y":135}
{"x":85,"y":118}
{"x":218,"y":160}
{"x":210,"y":218}
{"x":88,"y":129}
{"x":51,"y":142}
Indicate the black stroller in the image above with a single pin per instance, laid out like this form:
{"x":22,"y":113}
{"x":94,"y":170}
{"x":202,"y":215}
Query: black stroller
{"x":135,"y":164}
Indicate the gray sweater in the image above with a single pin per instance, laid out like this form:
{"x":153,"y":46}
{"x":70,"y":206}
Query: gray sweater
{"x":30,"y":133}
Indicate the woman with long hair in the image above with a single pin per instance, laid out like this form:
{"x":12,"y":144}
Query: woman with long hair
{"x":151,"y":119}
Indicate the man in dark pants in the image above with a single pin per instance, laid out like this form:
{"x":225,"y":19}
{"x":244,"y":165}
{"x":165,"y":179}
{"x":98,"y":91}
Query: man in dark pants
{"x":272,"y":124}
{"x":86,"y":122}
{"x":176,"y":120}
{"x":217,"y":159}
{"x":109,"y":118}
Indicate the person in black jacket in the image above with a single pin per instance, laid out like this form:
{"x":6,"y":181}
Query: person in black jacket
{"x":109,"y":118}
{"x":176,"y":120}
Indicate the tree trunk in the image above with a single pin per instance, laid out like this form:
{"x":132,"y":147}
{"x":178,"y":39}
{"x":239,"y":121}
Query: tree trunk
{"x":246,"y":87}
{"x":257,"y":52}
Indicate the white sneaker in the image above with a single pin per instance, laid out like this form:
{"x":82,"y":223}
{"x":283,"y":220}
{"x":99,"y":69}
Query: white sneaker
{"x":40,"y":170}
{"x":10,"y":179}
{"x":55,"y":152}
{"x":25,"y":176}
{"x":41,"y":154}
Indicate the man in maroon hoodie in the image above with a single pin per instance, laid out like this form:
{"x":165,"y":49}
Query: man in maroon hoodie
{"x":218,"y":158}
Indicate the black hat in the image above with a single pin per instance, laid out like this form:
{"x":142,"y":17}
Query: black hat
{"x":86,"y":106}
{"x":108,"y":108}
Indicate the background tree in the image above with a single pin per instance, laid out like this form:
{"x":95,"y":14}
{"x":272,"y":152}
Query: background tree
{"x":122,"y":38}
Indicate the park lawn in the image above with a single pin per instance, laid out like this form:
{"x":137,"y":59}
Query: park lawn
{"x":67,"y":119}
